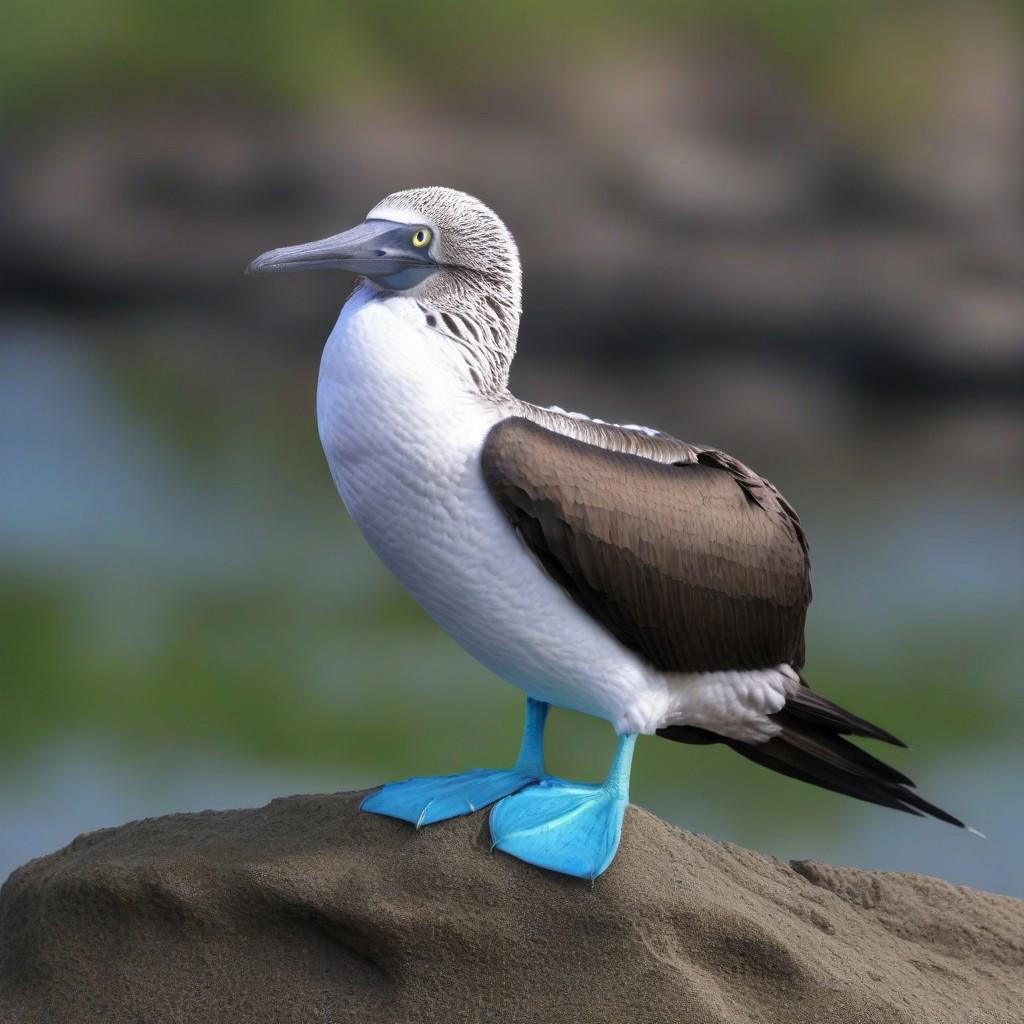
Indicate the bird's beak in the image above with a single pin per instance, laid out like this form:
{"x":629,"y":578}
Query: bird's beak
{"x":376,"y":248}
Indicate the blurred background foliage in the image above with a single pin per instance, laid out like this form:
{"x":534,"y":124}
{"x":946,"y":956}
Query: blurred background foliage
{"x":795,"y":229}
{"x":106,"y":47}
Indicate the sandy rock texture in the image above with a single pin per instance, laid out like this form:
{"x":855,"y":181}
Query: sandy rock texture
{"x":308,"y":911}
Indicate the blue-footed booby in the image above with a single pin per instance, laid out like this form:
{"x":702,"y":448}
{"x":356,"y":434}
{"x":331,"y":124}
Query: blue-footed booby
{"x":612,"y":570}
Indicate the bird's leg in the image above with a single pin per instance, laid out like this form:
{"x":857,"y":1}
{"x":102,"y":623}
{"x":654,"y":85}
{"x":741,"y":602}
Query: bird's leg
{"x":422,"y":801}
{"x":531,"y":750}
{"x":571,"y":827}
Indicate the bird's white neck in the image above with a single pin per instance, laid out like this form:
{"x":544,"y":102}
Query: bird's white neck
{"x":393,"y":390}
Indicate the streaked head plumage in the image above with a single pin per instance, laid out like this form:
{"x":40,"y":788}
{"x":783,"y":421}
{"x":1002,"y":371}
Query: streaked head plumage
{"x":467,"y":235}
{"x":442,"y":248}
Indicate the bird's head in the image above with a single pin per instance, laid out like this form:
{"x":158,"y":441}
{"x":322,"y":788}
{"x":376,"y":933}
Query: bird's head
{"x":443,"y":248}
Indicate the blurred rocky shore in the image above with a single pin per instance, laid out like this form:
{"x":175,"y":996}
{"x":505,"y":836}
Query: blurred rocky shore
{"x":701,"y":204}
{"x":690,"y":228}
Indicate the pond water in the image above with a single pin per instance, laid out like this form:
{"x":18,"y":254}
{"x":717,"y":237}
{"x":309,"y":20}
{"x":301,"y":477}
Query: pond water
{"x":190,"y":621}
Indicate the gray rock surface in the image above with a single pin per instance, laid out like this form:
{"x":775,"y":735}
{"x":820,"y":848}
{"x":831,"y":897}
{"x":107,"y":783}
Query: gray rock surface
{"x":308,"y":911}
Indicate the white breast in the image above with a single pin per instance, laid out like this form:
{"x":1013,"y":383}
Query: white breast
{"x":402,"y":428}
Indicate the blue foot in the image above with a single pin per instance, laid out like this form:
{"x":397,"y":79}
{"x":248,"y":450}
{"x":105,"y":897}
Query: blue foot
{"x":569,"y":827}
{"x":563,"y":826}
{"x":423,"y":801}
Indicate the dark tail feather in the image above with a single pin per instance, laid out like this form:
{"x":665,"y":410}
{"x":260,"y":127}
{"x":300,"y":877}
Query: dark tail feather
{"x":814,"y":709}
{"x":810,"y":749}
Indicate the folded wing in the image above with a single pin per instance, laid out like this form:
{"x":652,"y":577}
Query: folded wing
{"x":697,"y":565}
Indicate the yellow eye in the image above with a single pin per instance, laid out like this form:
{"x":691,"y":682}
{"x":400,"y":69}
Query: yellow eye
{"x":421,"y":238}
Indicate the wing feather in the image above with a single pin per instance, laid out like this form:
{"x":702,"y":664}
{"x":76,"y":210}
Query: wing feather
{"x":698,"y":565}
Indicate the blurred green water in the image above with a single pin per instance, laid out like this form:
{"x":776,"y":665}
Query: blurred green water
{"x":187,"y":614}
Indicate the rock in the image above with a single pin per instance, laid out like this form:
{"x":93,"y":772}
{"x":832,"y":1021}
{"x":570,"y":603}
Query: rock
{"x":306,"y":910}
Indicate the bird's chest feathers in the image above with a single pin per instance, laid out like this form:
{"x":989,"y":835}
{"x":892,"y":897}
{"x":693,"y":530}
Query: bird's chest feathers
{"x":400,"y":426}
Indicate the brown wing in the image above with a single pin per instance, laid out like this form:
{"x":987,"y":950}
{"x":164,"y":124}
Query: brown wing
{"x":697,"y":566}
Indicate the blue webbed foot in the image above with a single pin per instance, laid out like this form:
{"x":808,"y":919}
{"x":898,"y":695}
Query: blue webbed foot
{"x":569,"y":827}
{"x":422,"y":801}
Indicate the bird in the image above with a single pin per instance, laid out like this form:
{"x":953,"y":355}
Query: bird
{"x":612,"y":570}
